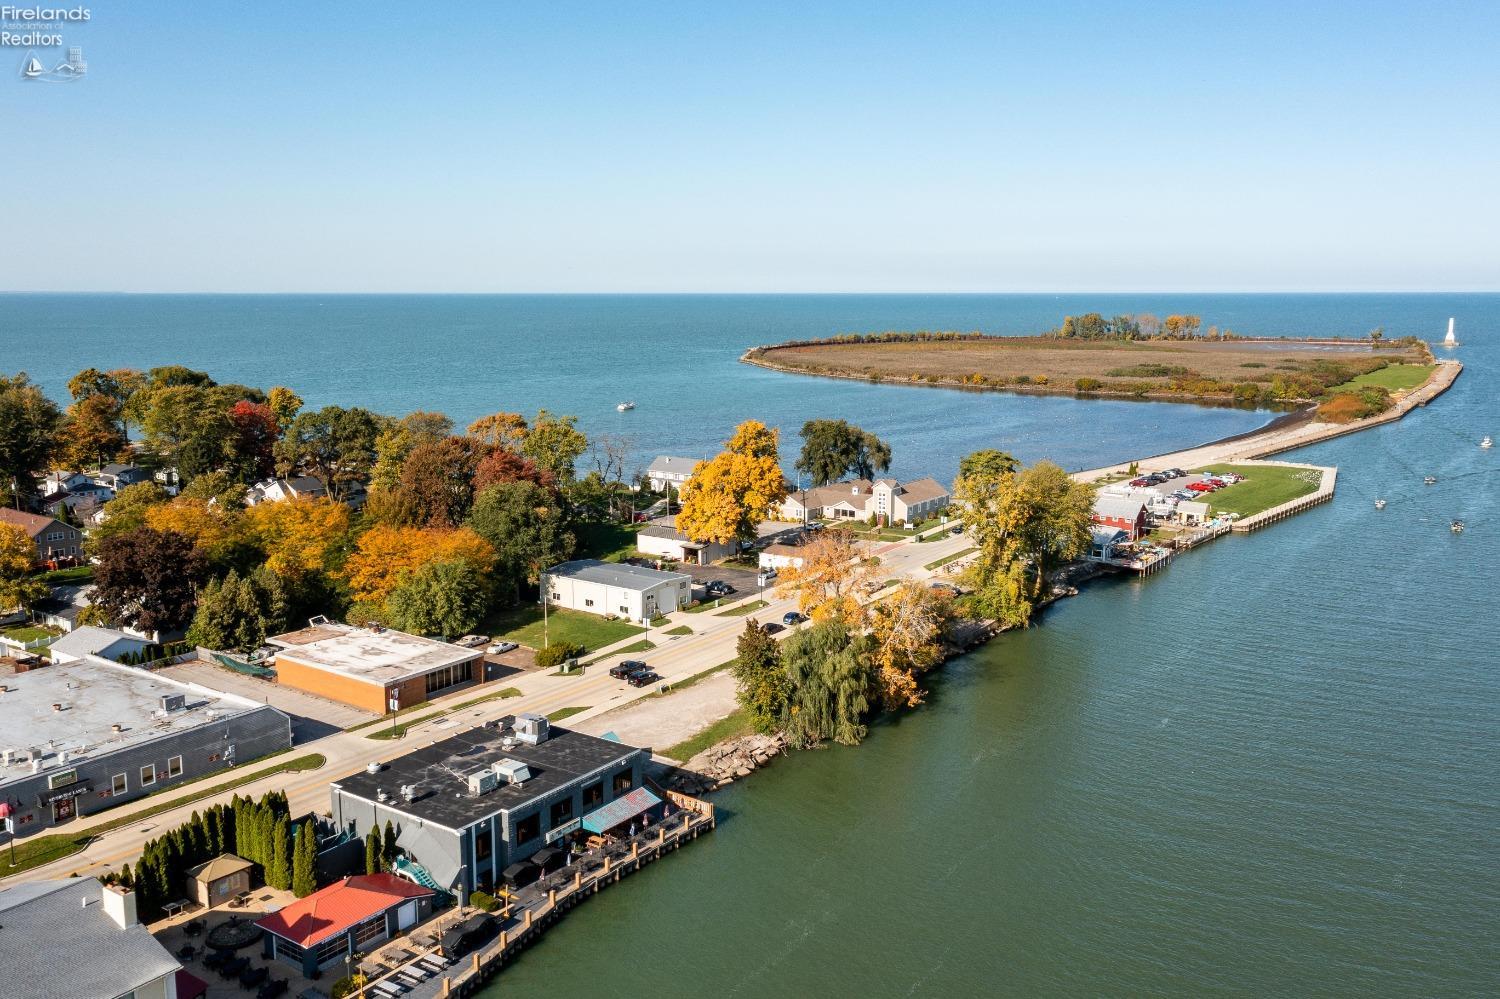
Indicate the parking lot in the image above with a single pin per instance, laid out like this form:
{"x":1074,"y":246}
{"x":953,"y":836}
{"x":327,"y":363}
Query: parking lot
{"x":743,"y":580}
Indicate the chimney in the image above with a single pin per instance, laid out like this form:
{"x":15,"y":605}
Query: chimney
{"x":119,"y":905}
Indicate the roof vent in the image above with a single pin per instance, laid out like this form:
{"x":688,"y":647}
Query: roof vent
{"x":7,"y":756}
{"x":512,"y":771}
{"x":482,"y":781}
{"x":381,"y":796}
{"x":57,"y":706}
{"x":373,"y":767}
{"x":409,"y":792}
{"x":117,"y":728}
{"x":531,"y":728}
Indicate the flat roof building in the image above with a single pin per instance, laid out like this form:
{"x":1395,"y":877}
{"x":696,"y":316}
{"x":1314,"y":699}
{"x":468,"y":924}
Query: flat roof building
{"x":616,"y":589}
{"x":469,"y":807}
{"x":372,"y":668}
{"x":80,"y":737}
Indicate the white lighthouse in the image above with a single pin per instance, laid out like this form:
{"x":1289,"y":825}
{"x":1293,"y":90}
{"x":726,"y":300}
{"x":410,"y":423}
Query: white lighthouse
{"x":1450,"y":340}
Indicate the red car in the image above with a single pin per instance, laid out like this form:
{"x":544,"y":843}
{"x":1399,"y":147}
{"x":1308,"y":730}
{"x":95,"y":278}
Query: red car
{"x":1202,"y":487}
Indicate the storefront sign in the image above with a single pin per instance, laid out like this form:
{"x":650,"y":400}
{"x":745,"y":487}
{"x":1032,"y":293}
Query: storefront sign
{"x":563,"y":830}
{"x":48,"y":797}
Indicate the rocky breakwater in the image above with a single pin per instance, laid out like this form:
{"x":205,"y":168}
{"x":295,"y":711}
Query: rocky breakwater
{"x":722,"y":764}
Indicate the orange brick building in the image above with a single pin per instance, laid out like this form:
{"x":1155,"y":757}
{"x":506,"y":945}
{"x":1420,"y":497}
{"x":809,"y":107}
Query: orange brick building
{"x":376,"y":669}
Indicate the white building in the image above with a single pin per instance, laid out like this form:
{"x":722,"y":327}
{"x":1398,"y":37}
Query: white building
{"x":662,"y":539}
{"x":668,"y":471}
{"x":891,"y":501}
{"x":106,"y":643}
{"x":278,"y":490}
{"x":1192,"y":512}
{"x":608,"y":589}
{"x":781,"y":557}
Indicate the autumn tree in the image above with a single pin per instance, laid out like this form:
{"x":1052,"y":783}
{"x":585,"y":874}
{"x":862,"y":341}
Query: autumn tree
{"x":440,"y":598}
{"x":299,"y":536}
{"x":147,"y":579}
{"x":254,"y":431}
{"x":127,"y":511}
{"x":28,"y":424}
{"x":17,"y":552}
{"x":527,"y":528}
{"x":833,"y":575}
{"x":500,"y":465}
{"x":555,"y":443}
{"x":94,"y":432}
{"x":333,"y":443}
{"x":217,"y":529}
{"x":285,"y":405}
{"x":906,"y":631}
{"x":761,"y":684}
{"x":385,"y":556}
{"x":500,"y":429}
{"x":730,"y":494}
{"x":832,"y":449}
{"x":439,"y":477}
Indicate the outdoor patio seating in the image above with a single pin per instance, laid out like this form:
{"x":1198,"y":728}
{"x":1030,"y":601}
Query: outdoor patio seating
{"x":186,"y":952}
{"x":193,"y":927}
{"x":254,"y":977}
{"x":275,"y":987}
{"x":233,"y":968}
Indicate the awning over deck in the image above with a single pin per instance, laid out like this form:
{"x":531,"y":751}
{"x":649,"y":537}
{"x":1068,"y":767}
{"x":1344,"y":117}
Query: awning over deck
{"x":622,"y":809}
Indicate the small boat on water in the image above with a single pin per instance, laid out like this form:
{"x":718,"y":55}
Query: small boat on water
{"x":1431,"y":480}
{"x":1380,"y":504}
{"x":1486,"y":443}
{"x":625,"y":407}
{"x":1457,"y":527}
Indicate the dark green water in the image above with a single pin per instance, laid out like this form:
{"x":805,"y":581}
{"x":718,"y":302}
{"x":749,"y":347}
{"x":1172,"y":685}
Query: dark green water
{"x":1270,"y":770}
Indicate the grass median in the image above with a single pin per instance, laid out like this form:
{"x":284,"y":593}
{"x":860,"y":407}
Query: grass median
{"x":949,"y":559}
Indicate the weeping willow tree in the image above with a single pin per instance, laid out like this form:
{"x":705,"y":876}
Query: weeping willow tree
{"x":832,"y":678}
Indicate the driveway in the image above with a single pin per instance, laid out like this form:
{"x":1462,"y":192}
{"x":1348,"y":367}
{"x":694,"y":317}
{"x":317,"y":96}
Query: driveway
{"x":743,"y":580}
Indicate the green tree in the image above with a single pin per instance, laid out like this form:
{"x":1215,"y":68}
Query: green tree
{"x":372,"y":852}
{"x":335,"y":444}
{"x":832,"y":449}
{"x":831,"y":676}
{"x":555,"y":443}
{"x":127,"y":511}
{"x":388,"y":847}
{"x":232,"y":613}
{"x":304,"y":861}
{"x":279,"y":870}
{"x":29,"y":422}
{"x":441,"y":598}
{"x":527,"y":526}
{"x":761,"y":684}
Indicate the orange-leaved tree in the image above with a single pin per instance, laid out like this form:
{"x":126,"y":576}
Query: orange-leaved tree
{"x":908,"y":630}
{"x":384,"y":556}
{"x":731,"y":493}
{"x":217,"y":529}
{"x":833,"y":575}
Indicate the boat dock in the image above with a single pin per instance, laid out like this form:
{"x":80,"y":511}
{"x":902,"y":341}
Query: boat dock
{"x":536,"y":908}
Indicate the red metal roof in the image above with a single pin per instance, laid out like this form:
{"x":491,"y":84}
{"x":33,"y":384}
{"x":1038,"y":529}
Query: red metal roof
{"x":189,"y":985}
{"x":326,"y":913}
{"x":388,"y":883}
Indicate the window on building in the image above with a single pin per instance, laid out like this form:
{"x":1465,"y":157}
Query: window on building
{"x":118,"y":784}
{"x":482,"y":844}
{"x":562,"y":811}
{"x":528,"y":829}
{"x":148,"y":774}
{"x":588,"y":603}
{"x":624,"y":781}
{"x":593,"y":795}
{"x":370,"y":929}
{"x":448,"y":676}
{"x":174,"y":767}
{"x":624,"y":609}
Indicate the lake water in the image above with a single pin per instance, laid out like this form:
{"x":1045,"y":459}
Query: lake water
{"x":1272,"y":770}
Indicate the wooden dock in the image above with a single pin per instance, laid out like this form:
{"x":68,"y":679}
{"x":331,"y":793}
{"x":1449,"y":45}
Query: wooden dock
{"x":524,"y":924}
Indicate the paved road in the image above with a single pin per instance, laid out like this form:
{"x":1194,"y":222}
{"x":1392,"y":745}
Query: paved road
{"x":675,"y":658}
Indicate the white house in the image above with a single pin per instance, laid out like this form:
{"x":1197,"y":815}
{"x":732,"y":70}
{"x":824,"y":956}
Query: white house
{"x":662,"y":539}
{"x":616,"y":590}
{"x":278,"y":490}
{"x":781,"y":557}
{"x":891,"y":501}
{"x":668,"y":471}
{"x":1192,"y":512}
{"x":105,"y":643}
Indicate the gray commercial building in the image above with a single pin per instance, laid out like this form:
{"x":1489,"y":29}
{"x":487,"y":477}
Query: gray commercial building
{"x":81,"y":737}
{"x":467,"y":808}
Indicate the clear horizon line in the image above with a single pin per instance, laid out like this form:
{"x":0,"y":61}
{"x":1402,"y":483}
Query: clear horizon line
{"x":1048,"y":291}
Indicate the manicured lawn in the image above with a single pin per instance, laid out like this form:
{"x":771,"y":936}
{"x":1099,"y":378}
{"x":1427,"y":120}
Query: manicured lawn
{"x":396,"y":730}
{"x":77,"y":574}
{"x":1265,"y":486}
{"x":524,"y":625}
{"x":1392,"y":377}
{"x":562,"y":713}
{"x":951,"y":558}
{"x":744,"y":609}
{"x":607,"y":542}
{"x":732,"y":727}
{"x":707,"y":605}
{"x":39,"y":850}
{"x":27,"y":633}
{"x":681,"y":629}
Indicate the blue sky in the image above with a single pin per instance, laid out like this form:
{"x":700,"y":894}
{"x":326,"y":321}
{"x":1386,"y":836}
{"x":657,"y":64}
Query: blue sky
{"x":759,"y":147}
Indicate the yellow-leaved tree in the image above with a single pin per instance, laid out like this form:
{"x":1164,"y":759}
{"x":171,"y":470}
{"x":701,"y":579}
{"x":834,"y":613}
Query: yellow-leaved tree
{"x":216,"y":529}
{"x":731,"y":493}
{"x":385,"y":555}
{"x":833,"y":575}
{"x":908,"y":630}
{"x":298,"y":536}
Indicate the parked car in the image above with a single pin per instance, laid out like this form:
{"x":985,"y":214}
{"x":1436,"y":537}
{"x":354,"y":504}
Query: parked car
{"x":500,"y":648}
{"x":791,"y":618}
{"x":946,"y":589}
{"x":771,"y":627}
{"x":1139,"y":482}
{"x":472,"y":641}
{"x":622,"y":669}
{"x":644,"y":678}
{"x":956,"y":529}
{"x":718,"y":588}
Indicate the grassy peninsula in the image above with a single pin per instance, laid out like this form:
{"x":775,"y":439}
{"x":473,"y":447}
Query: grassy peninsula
{"x":1348,"y":379}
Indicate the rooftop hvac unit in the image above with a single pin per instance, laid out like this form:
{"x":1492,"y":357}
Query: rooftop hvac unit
{"x":173,"y":702}
{"x":409,"y":792}
{"x":483,"y":781}
{"x":512,"y":771}
{"x":531,"y":728}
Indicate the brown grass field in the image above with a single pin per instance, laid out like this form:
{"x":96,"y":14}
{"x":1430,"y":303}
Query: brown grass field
{"x":1061,"y":363}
